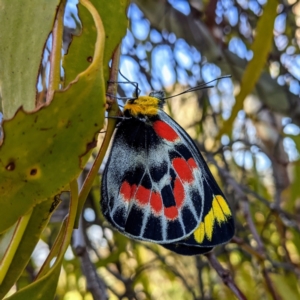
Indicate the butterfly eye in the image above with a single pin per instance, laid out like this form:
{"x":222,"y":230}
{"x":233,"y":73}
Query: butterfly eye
{"x":130,"y":101}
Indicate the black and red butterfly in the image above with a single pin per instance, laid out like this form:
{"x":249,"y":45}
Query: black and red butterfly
{"x":157,"y":187}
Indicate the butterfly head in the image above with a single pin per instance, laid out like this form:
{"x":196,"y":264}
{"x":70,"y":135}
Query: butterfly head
{"x":145,"y":105}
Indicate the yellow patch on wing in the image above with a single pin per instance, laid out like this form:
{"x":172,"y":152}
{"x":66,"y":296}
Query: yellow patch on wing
{"x":209,"y":221}
{"x":144,"y":105}
{"x":218,"y":212}
{"x":199,"y":233}
{"x":223,"y":204}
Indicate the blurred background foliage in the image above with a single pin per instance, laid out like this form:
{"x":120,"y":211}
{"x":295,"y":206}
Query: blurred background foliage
{"x":173,"y":45}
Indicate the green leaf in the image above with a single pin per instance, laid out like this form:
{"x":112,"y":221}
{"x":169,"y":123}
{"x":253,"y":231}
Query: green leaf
{"x":45,"y":286}
{"x":43,"y":289}
{"x":22,"y":39}
{"x":37,"y":222}
{"x":5,"y":240}
{"x":44,"y":150}
{"x":261,"y":48}
{"x":81,"y":50}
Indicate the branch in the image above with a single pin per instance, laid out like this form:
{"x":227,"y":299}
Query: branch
{"x":94,"y":282}
{"x":225,"y":276}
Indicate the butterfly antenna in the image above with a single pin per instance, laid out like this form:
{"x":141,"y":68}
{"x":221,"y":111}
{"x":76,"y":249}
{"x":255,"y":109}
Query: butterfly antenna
{"x":202,"y":86}
{"x":135,"y":84}
{"x":117,"y":97}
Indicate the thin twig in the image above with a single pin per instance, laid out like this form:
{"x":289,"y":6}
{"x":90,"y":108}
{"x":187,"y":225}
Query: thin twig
{"x":225,"y":276}
{"x":172,"y":269}
{"x":95,"y":283}
{"x":270,"y":285}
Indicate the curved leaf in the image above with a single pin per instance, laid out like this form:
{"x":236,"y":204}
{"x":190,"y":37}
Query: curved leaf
{"x":261,"y":48}
{"x":38,"y":220}
{"x":45,"y":287}
{"x":81,"y":49}
{"x":22,"y":43}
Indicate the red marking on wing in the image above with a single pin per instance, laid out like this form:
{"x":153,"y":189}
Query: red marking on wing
{"x":125,"y":190}
{"x":171,"y":212}
{"x":183,"y":169}
{"x":192,"y":163}
{"x":156,"y":202}
{"x":165,"y":131}
{"x":142,"y":195}
{"x":178,"y":192}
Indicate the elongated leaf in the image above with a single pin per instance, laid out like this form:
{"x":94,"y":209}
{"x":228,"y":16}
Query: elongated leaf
{"x":81,"y":50}
{"x":45,"y":287}
{"x":22,"y":40}
{"x":261,"y":48}
{"x":38,"y":220}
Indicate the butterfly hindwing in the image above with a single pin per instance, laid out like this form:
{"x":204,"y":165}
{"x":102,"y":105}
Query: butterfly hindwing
{"x":217,"y":224}
{"x":216,"y":228}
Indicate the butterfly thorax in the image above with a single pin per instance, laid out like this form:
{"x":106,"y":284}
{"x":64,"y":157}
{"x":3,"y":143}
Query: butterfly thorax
{"x":146,"y":106}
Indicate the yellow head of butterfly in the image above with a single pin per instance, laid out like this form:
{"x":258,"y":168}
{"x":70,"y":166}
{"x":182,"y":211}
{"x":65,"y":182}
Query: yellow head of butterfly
{"x":145,"y":105}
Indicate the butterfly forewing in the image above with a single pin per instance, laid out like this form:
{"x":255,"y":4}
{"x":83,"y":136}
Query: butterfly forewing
{"x":153,"y":189}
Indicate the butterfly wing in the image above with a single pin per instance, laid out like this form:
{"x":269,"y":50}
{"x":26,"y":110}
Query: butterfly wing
{"x":217,"y":224}
{"x":149,"y":190}
{"x":157,"y":187}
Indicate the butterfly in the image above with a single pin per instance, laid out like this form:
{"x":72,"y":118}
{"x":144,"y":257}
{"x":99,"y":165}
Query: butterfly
{"x":156,"y":186}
